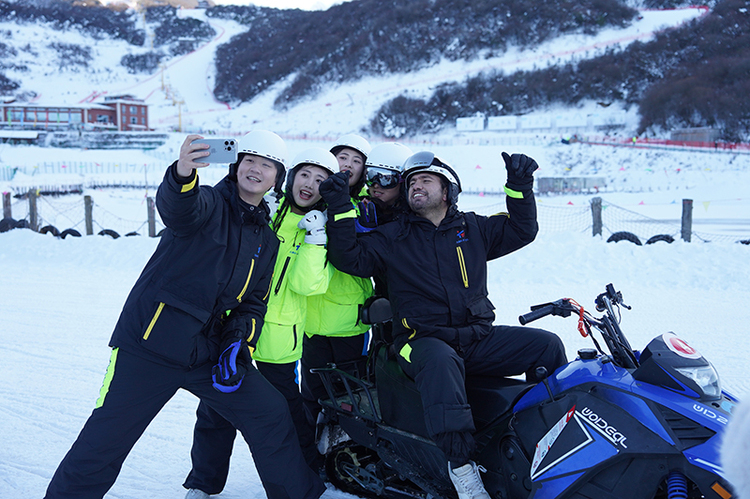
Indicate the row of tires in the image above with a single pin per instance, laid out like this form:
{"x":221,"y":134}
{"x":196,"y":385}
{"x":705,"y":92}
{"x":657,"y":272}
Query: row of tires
{"x":7,"y":224}
{"x":629,"y":236}
{"x":51,"y":229}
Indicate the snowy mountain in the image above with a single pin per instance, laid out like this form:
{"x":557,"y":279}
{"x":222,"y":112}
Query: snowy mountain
{"x":174,"y":70}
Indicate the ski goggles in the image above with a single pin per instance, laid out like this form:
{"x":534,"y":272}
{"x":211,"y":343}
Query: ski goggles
{"x":387,"y":179}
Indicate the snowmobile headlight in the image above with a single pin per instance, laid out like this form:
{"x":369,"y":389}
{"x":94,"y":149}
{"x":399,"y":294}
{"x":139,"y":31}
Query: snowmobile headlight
{"x":705,"y":377}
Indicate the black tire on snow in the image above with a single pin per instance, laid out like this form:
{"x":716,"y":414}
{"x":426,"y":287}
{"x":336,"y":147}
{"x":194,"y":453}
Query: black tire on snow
{"x":7,"y":224}
{"x":624,"y":236}
{"x":69,"y":232}
{"x":21,"y":224}
{"x":744,"y":241}
{"x":660,"y":237}
{"x":109,"y":232}
{"x":134,"y":233}
{"x":160,"y":233}
{"x":51,"y":229}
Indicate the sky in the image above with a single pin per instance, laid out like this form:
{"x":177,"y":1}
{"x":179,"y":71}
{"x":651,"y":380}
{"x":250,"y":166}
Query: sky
{"x":60,"y":298}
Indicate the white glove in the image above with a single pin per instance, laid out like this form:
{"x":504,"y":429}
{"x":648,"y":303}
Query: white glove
{"x":314,"y":223}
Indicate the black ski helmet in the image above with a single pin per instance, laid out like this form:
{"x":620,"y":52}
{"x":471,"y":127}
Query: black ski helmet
{"x":426,"y":161}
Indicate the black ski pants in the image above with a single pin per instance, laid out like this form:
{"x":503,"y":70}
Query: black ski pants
{"x":349,"y":353}
{"x":139,"y":388}
{"x":213,"y":436}
{"x":440,"y":373}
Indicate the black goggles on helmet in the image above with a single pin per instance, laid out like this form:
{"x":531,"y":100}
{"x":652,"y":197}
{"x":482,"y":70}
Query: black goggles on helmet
{"x":387,"y":179}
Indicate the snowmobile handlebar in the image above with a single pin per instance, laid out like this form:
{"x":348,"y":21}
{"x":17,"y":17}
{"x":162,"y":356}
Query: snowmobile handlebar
{"x":561,"y":308}
{"x":608,"y":324}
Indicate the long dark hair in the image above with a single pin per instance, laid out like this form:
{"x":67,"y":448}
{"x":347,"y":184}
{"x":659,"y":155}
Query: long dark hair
{"x":288,"y":200}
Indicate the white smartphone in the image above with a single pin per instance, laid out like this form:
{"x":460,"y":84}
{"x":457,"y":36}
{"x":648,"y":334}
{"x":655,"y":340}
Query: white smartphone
{"x":220,"y":150}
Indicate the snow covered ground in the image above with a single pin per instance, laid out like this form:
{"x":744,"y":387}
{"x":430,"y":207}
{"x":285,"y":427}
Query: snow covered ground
{"x":60,"y":299}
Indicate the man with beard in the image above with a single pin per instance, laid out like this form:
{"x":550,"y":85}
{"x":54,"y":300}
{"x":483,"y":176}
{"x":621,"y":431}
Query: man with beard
{"x":434,"y":260}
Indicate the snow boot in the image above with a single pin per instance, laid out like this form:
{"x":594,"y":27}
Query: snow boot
{"x":467,"y":481}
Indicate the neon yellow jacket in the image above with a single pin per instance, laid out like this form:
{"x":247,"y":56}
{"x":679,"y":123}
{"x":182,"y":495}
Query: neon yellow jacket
{"x":301,"y":270}
{"x":336,"y":313}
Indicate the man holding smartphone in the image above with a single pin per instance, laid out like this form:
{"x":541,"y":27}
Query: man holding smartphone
{"x":191,"y":321}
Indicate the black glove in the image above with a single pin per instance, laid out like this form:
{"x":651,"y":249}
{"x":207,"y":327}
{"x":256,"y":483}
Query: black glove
{"x":335,"y":192}
{"x":234,"y":360}
{"x":520,"y":171}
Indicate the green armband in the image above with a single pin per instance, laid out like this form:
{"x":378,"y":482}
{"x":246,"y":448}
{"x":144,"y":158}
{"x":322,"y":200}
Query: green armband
{"x":345,"y":215}
{"x":513,"y":194}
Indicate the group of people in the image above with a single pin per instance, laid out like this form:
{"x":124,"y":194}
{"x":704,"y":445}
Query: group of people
{"x":238,"y":303}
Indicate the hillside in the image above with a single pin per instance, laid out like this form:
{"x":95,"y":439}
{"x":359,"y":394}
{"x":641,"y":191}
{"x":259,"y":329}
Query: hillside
{"x":394,"y":70}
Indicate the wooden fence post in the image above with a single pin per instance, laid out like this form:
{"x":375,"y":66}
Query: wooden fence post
{"x":687,"y":219}
{"x":596,"y":216}
{"x":6,"y":205}
{"x":89,"y":211}
{"x":33,"y":213}
{"x":151,"y":217}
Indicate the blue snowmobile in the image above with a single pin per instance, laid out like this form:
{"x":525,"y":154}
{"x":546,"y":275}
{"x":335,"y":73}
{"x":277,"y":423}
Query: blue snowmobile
{"x":613,"y":423}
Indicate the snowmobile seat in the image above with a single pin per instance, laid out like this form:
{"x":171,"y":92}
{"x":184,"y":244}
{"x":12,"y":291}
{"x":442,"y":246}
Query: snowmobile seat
{"x":401,"y":404}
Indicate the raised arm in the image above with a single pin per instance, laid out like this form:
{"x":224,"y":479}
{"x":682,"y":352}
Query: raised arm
{"x":358,"y":256}
{"x":182,"y":205}
{"x":507,"y":232}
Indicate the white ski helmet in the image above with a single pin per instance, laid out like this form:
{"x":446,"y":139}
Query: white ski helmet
{"x":359,"y":144}
{"x":266,"y":145}
{"x":426,"y":161}
{"x":389,"y":156}
{"x":317,"y":156}
{"x":352,"y":141}
{"x":263,"y":143}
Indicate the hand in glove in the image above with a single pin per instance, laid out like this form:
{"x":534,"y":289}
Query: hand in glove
{"x":314,"y":223}
{"x":234,"y":360}
{"x":368,"y":216}
{"x":335,"y":192}
{"x":520,"y":171}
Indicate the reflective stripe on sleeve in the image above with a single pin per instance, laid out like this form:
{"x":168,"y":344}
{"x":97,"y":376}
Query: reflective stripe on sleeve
{"x":345,"y":215}
{"x":191,"y":185}
{"x":511,"y":193}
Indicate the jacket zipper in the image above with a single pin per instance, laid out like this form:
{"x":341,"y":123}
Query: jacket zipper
{"x":294,"y":331}
{"x":153,"y":320}
{"x":247,"y":282}
{"x":462,"y":264}
{"x":281,"y":277}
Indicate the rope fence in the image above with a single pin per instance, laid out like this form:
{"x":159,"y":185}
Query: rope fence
{"x":74,"y":215}
{"x":78,"y":215}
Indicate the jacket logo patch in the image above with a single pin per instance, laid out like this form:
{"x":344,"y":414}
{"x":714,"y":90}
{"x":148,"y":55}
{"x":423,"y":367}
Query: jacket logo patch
{"x":257,"y":252}
{"x":461,"y":236}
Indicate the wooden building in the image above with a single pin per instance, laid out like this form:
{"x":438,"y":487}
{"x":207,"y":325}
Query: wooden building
{"x":116,"y":113}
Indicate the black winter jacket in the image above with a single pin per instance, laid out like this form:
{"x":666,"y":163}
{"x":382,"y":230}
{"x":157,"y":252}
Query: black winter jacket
{"x":217,"y":254}
{"x":437,"y":276}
